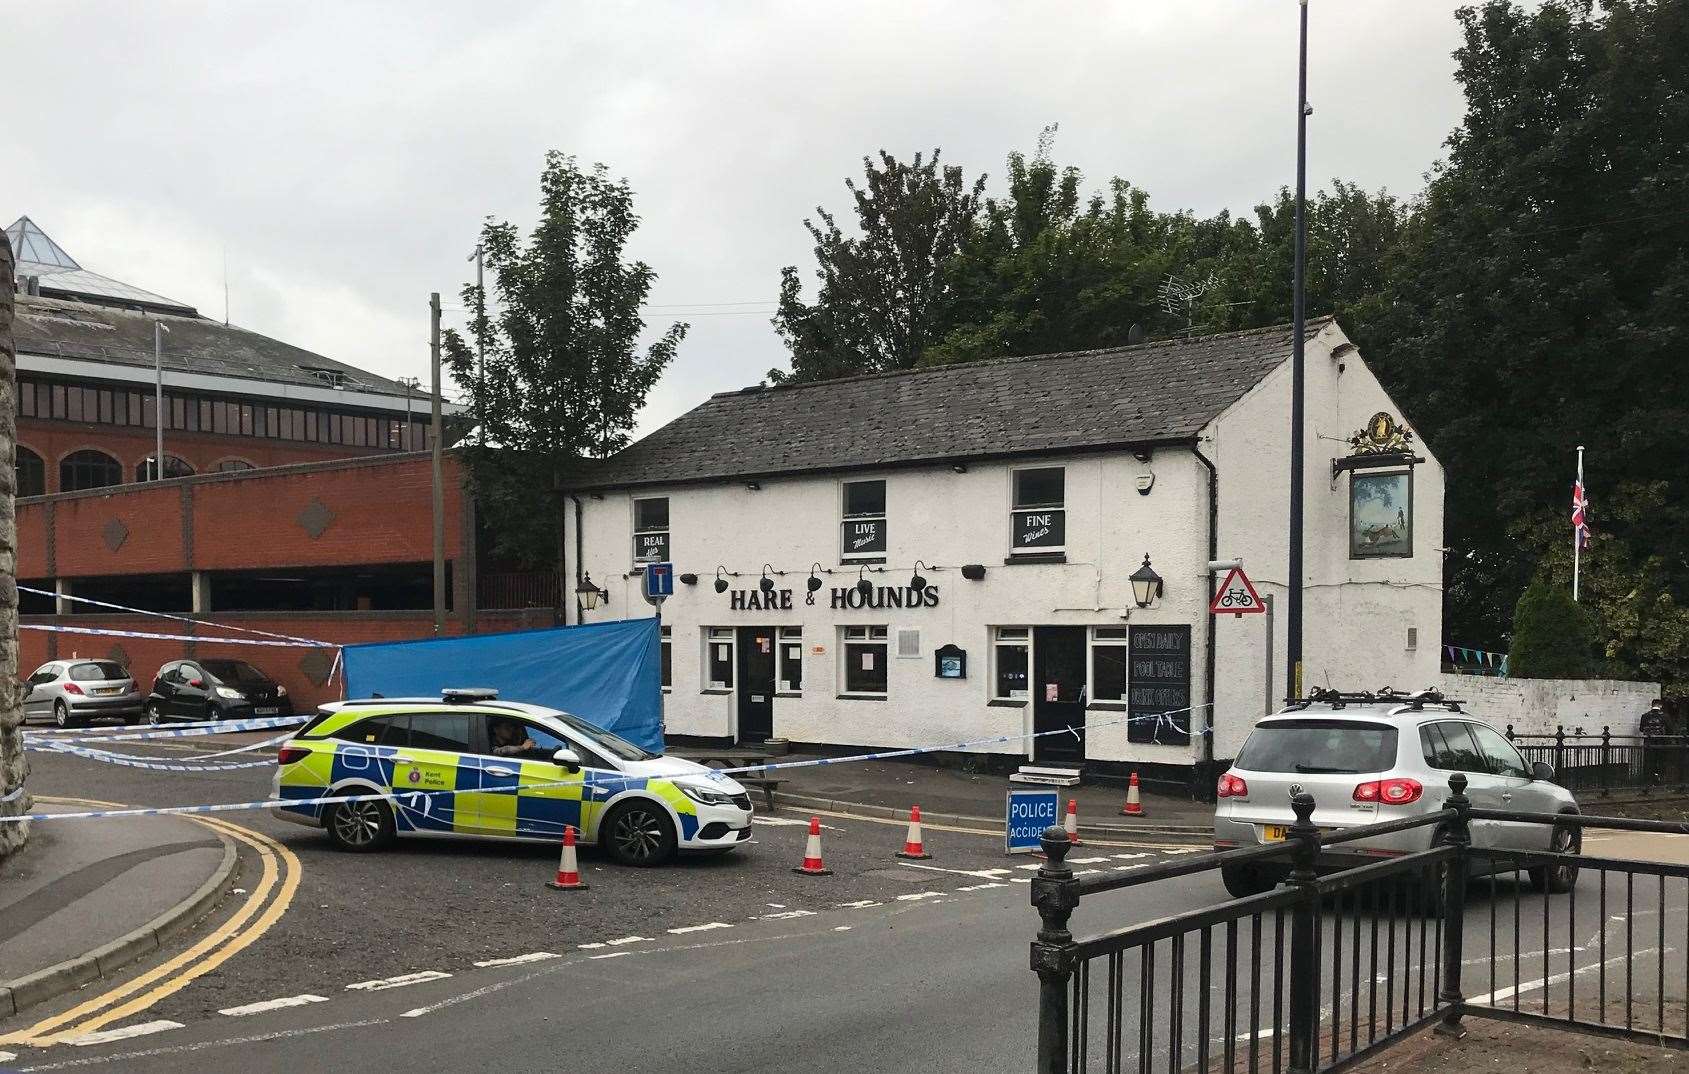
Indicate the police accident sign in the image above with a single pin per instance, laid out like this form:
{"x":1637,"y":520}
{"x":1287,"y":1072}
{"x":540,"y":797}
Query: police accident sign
{"x":1027,"y":815}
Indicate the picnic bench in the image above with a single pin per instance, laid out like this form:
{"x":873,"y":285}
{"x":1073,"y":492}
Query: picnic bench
{"x":737,"y":758}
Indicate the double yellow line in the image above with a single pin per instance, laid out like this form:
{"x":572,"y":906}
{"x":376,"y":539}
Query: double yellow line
{"x":280,"y":871}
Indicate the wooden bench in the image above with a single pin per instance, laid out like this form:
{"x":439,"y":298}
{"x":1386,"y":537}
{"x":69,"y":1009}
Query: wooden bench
{"x":768,"y":785}
{"x":735,"y":758}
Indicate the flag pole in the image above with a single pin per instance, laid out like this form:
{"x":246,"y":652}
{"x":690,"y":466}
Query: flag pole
{"x":1577,"y":533}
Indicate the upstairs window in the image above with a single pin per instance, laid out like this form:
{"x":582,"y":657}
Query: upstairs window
{"x":651,"y":530}
{"x":864,"y":526}
{"x":1038,"y":517}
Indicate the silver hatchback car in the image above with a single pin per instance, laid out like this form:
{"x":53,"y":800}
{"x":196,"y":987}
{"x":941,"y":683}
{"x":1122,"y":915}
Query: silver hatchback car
{"x":74,"y":691}
{"x":1368,"y":759}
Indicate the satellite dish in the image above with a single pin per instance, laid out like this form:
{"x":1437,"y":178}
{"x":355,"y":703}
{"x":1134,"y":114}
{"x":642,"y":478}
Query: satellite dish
{"x":1135,"y":335}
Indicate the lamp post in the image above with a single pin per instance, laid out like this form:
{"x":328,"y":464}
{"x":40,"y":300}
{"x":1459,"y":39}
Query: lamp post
{"x":1298,"y":376}
{"x":158,"y":417}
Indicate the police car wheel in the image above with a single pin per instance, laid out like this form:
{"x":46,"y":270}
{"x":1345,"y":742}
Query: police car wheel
{"x":359,"y":826}
{"x":639,"y":833}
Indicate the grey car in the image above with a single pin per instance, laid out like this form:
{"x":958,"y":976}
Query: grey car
{"x":1371,"y":759}
{"x":74,"y":691}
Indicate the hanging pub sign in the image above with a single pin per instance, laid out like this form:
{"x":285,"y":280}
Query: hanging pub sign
{"x":1042,"y":528}
{"x":651,"y":547}
{"x":864,"y":537}
{"x":1158,"y":682}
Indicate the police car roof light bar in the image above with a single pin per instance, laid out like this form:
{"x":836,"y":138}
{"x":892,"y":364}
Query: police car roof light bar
{"x":468,"y":694}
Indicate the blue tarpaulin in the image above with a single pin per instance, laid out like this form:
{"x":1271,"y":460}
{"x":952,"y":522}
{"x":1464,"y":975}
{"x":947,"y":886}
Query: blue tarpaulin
{"x":607,"y":673}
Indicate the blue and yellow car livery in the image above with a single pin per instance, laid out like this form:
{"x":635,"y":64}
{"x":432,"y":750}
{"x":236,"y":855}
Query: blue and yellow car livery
{"x":469,"y":765}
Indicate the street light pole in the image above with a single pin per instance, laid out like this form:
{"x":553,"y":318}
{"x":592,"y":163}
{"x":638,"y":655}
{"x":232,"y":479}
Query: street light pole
{"x":438,"y":482}
{"x":158,"y":330}
{"x":1298,"y":376}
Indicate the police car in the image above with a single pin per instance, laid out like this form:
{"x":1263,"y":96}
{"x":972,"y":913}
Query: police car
{"x":516,"y":771}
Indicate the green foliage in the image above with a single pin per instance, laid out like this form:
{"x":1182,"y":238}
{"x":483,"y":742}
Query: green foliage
{"x":1553,"y":638}
{"x":563,"y":377}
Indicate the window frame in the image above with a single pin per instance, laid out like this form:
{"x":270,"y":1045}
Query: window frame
{"x":856,"y":638}
{"x":664,"y":531}
{"x":788,"y":638}
{"x":1017,"y":509}
{"x":847,"y":518}
{"x":1109,"y":638}
{"x":728,"y":637}
{"x":1010,"y":637}
{"x":85,"y":462}
{"x":27,"y":458}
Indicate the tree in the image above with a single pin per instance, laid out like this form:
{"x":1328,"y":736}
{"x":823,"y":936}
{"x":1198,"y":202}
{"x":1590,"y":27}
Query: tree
{"x":1552,"y":636}
{"x":564,"y":376}
{"x":881,"y":292}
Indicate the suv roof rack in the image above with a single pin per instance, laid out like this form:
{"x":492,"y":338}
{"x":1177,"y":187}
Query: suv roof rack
{"x":1338,"y":699}
{"x":464,"y":694}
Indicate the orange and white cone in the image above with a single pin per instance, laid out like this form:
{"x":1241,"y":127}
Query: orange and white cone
{"x":913,"y":847}
{"x":812,"y":852}
{"x":568,"y":872}
{"x":1133,"y":807}
{"x":1071,"y":821}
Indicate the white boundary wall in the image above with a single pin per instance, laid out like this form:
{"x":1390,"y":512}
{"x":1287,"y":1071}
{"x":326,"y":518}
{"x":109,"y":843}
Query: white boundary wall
{"x":1537,"y":706}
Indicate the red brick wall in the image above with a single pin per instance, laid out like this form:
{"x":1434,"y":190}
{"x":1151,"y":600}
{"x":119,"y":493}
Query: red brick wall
{"x":53,"y":440}
{"x":143,"y":656}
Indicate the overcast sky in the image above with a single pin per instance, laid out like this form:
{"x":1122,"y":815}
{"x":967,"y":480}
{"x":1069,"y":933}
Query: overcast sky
{"x":342,"y":156}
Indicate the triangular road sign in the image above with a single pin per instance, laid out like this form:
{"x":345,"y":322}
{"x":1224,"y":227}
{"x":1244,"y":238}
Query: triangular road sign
{"x":1236,"y":595}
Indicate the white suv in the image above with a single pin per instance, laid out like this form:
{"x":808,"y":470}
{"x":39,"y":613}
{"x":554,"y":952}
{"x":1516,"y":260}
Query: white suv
{"x":1370,"y":758}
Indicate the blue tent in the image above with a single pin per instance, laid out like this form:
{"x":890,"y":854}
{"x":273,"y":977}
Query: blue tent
{"x":608,"y":673}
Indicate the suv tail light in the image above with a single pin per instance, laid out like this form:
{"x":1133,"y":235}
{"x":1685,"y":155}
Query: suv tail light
{"x":1231,"y":786}
{"x":72,"y":688}
{"x":1399,"y":791}
{"x":289,"y":754}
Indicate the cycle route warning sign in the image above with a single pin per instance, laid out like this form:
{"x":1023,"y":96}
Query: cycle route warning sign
{"x":1236,"y":595}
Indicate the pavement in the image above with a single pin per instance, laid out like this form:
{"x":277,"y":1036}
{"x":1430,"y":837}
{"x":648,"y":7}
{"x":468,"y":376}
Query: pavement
{"x":957,"y":795}
{"x":83,"y":899}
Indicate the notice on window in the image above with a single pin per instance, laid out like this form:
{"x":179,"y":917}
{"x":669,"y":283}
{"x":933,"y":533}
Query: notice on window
{"x":867,"y":661}
{"x":763,"y":645}
{"x":1052,"y":691}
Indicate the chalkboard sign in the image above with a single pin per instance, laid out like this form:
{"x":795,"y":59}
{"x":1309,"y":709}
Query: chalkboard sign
{"x":1158,"y":680}
{"x":1044,"y":528}
{"x":864,"y":537}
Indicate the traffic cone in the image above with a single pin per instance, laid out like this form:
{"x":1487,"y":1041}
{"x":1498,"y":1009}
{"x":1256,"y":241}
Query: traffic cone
{"x":812,"y":852}
{"x":1071,"y":823}
{"x":912,"y":845}
{"x":1132,"y":808}
{"x":568,"y":872}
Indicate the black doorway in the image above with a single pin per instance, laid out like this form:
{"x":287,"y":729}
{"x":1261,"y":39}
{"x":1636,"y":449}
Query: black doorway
{"x":1058,"y":692}
{"x":756,"y":685}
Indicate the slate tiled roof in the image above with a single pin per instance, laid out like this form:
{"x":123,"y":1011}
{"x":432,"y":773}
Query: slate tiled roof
{"x":68,"y":329}
{"x":1155,"y":392}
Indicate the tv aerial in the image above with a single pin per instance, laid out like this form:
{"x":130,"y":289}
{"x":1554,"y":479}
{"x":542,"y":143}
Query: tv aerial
{"x":1180,"y":299}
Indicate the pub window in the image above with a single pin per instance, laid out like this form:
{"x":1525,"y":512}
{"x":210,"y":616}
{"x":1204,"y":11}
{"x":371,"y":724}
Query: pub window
{"x":791,"y":659}
{"x":863,"y":531}
{"x":1011,"y":657}
{"x":718,"y":662}
{"x":1108,"y":663}
{"x":88,"y":469}
{"x":31,"y":473}
{"x":651,"y":530}
{"x":668,"y":657}
{"x":1038,"y":518}
{"x":864,"y":651}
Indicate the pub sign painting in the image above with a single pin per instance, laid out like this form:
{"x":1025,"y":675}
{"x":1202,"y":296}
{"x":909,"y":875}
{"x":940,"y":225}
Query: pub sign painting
{"x":1380,"y":514}
{"x":1044,"y":528}
{"x":865,"y":537}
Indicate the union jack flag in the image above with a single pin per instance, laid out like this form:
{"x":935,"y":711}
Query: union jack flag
{"x":1580,"y":514}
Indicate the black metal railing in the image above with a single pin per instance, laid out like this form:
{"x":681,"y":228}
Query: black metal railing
{"x":1326,"y":970}
{"x":507,"y":590}
{"x":1607,"y":762}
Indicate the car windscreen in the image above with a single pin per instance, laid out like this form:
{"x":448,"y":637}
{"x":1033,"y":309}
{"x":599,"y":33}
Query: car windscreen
{"x":97,"y":670}
{"x":613,"y":744}
{"x":234,"y":671}
{"x":1313,"y":746}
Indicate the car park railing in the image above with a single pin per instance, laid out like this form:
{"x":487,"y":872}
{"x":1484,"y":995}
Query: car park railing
{"x":1606,"y":762}
{"x":1325,"y":971}
{"x":508,"y":590}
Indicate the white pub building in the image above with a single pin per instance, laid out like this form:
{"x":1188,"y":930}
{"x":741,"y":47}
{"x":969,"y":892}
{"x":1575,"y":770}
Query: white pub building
{"x":1023,"y":545}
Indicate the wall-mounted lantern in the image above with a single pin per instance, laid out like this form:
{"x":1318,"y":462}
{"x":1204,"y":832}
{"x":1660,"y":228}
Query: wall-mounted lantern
{"x":1146,"y":584}
{"x":590,"y":594}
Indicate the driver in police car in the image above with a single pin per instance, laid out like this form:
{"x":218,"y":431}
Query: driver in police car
{"x":508,"y":739}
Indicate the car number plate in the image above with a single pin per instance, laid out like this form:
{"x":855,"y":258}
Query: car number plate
{"x":107,"y":691}
{"x":268,"y":710}
{"x":1274,"y":833}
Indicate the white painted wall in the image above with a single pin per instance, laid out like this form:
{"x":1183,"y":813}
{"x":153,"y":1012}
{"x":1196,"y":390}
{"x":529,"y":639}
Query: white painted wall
{"x":1538,"y":706}
{"x":1356,"y":612}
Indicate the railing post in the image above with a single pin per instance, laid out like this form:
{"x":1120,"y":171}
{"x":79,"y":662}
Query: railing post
{"x":1510,"y":732}
{"x":1560,"y":748}
{"x":1606,"y":751}
{"x":1458,"y":835}
{"x":1304,"y":938}
{"x":1052,"y":953}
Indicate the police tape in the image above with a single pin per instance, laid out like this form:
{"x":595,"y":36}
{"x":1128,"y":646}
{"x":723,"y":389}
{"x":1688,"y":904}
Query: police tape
{"x":166,"y":615}
{"x":421,"y":799}
{"x":189,"y":730}
{"x":196,"y":762}
{"x":202,"y":639}
{"x":125,"y":761}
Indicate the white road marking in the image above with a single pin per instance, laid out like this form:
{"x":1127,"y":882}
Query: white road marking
{"x":518,"y":960}
{"x":1130,"y":857}
{"x":612,"y":954}
{"x":1020,"y":880}
{"x":1553,"y":979}
{"x":915,"y":896}
{"x":589,"y":946}
{"x":841,"y":928}
{"x":203,"y":1045}
{"x":106,"y":1036}
{"x":272,"y":1005}
{"x":7,"y":1057}
{"x":1034,"y":866}
{"x":684,"y":929}
{"x":1185,"y":850}
{"x":979,"y":874}
{"x":398,"y":982}
{"x":787,"y":915}
{"x":981,"y":887}
{"x":790,"y":822}
{"x":627,"y":940}
{"x":1129,"y":868}
{"x":1085,"y":861}
{"x":858,"y":904}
